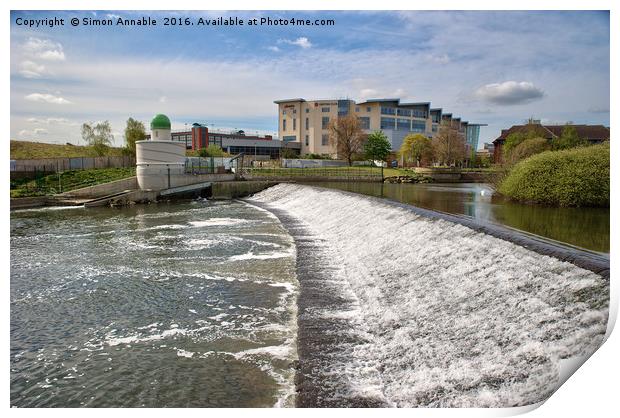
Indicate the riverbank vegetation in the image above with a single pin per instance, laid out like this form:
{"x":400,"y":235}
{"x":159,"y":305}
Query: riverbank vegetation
{"x":211,"y":151}
{"x":576,"y":176}
{"x":68,"y":180}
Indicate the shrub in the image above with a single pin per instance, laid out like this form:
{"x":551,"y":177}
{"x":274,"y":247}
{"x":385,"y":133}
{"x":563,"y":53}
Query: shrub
{"x":527,"y":148}
{"x":574,"y":177}
{"x":211,"y":151}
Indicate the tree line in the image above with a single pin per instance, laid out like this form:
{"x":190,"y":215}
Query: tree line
{"x":447,"y":147}
{"x":99,"y":136}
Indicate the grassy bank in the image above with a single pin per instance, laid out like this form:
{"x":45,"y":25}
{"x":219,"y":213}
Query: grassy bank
{"x":26,"y":150}
{"x":573,"y":177}
{"x":68,"y":180}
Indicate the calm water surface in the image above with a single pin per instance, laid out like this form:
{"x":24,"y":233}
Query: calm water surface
{"x":185,"y":304}
{"x":583,"y":227}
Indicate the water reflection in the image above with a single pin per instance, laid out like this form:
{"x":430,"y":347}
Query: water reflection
{"x":583,"y":227}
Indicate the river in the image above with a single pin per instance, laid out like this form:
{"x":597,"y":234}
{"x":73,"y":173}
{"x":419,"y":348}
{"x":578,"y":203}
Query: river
{"x":195,"y":304}
{"x":581,"y":227}
{"x":176,"y":305}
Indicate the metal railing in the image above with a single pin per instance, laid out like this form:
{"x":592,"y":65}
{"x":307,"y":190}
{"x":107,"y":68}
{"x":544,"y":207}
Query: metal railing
{"x":355,"y":173}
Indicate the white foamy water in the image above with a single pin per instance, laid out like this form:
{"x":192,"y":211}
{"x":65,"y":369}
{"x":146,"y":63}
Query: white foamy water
{"x":219,"y":222}
{"x":447,"y":316}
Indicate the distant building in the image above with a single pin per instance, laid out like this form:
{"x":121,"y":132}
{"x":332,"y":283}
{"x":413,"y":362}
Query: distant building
{"x":235,"y":142}
{"x":306,"y":122}
{"x":486,"y":151}
{"x":593,"y":133}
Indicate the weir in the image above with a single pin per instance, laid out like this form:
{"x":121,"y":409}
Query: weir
{"x":405,"y":307}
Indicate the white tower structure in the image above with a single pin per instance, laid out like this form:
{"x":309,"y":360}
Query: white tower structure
{"x":159,"y":161}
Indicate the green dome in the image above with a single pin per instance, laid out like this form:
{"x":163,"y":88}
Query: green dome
{"x":160,"y":122}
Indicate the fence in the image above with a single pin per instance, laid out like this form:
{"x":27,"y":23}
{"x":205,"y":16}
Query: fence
{"x":209,"y":165}
{"x":355,"y":173}
{"x":57,"y":165}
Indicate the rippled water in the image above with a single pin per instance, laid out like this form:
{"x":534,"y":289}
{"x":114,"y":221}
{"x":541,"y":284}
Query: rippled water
{"x":186,"y":304}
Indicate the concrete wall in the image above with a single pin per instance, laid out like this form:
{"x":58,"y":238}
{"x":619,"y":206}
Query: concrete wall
{"x":28,"y":202}
{"x":188,"y":179}
{"x":105,"y":189}
{"x":233,"y":189}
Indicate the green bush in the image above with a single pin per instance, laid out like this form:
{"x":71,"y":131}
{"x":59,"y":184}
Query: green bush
{"x":573,"y":177}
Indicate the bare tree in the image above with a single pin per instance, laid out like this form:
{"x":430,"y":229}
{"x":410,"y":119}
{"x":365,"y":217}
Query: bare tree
{"x":99,"y":136}
{"x":449,"y":147}
{"x":346,"y":135}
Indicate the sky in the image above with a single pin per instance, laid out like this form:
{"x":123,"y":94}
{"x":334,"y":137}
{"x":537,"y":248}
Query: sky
{"x":496,"y":68}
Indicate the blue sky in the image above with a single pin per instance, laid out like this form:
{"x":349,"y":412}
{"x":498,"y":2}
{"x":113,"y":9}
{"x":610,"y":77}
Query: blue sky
{"x":498,"y":68}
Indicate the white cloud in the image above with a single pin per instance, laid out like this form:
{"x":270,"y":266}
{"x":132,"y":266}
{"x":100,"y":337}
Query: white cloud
{"x":398,"y":93}
{"x":273,"y":48}
{"x":438,"y":58}
{"x":44,"y":49}
{"x":509,"y":93}
{"x":50,"y":121}
{"x":302,"y":42}
{"x":40,"y":131}
{"x":163,"y":99}
{"x":112,"y":16}
{"x":46,"y":98}
{"x":30,"y":69}
{"x":369,"y":94}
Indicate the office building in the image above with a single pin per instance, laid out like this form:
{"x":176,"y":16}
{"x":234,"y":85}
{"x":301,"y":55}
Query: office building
{"x":306,"y":122}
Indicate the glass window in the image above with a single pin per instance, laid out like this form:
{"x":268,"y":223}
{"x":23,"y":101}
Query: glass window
{"x":307,"y":110}
{"x":387,"y":123}
{"x":289,"y":138}
{"x":365,"y":122}
{"x":325,"y":109}
{"x":388,"y":111}
{"x":368,"y":109}
{"x":294,"y":124}
{"x":357,"y":108}
{"x":419,"y":114}
{"x":325,"y":139}
{"x":307,"y":123}
{"x":343,"y":107}
{"x":284,"y":124}
{"x":307,"y":140}
{"x":418,"y":126}
{"x":404,"y":112}
{"x":325,"y":122}
{"x":294,"y":110}
{"x":403,"y":124}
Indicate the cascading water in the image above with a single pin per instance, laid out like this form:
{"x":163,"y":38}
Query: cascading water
{"x":429,"y":312}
